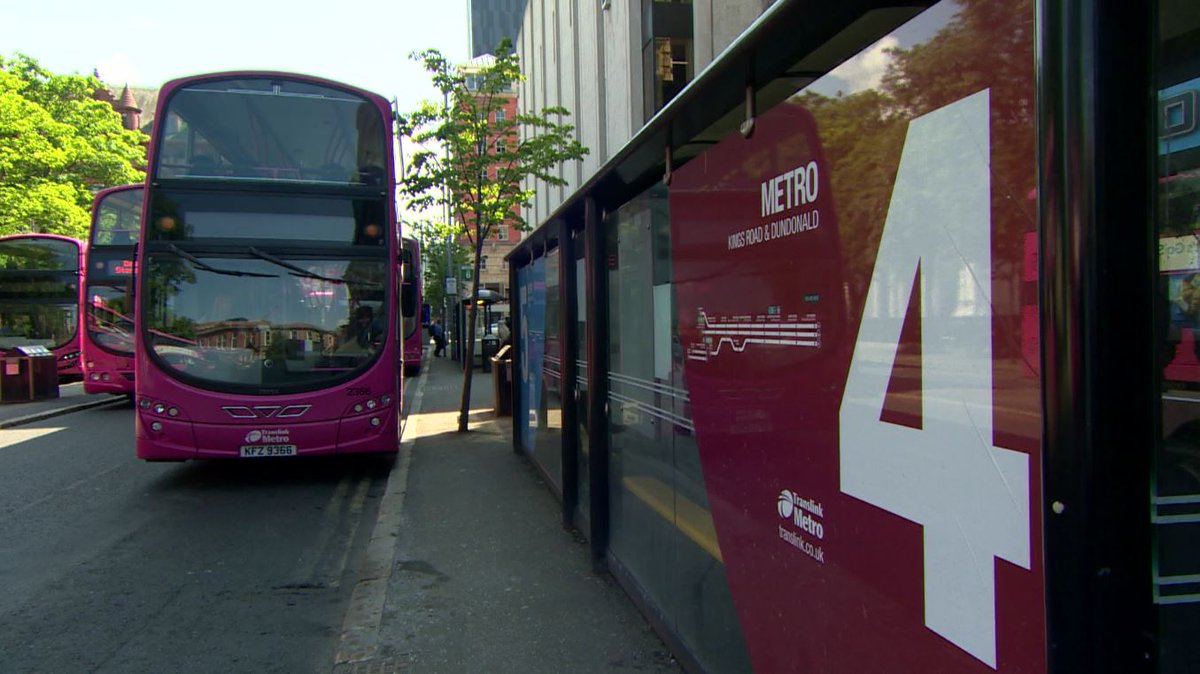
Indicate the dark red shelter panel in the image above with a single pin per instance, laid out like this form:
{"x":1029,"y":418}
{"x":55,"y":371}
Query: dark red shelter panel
{"x":854,"y":305}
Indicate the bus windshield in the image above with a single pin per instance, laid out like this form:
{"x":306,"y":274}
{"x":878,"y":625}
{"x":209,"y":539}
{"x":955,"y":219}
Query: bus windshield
{"x":271,"y":322}
{"x":38,"y":291}
{"x":262,"y":128}
{"x":109,"y":300}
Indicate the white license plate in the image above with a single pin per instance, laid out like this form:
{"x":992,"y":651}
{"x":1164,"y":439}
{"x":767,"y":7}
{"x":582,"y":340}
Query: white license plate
{"x":254,"y":451}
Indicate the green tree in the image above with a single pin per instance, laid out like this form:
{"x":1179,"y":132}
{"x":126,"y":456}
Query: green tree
{"x":432,"y":236}
{"x":486,"y":167}
{"x":58,"y":146}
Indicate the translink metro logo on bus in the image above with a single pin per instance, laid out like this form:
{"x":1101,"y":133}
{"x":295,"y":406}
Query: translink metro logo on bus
{"x":804,"y":514}
{"x":273,"y":436}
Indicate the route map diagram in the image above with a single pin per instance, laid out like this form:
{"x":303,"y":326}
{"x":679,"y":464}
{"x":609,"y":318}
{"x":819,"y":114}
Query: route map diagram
{"x":740,"y":331}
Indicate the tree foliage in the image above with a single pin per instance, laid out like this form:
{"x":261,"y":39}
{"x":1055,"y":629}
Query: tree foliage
{"x":485,"y":167}
{"x":58,"y":146}
{"x":432,"y":236}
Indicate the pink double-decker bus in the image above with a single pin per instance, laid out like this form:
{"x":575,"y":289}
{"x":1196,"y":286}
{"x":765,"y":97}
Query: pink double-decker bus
{"x":411,"y":299}
{"x":106,"y":293}
{"x":39,"y":297}
{"x":268,"y":271}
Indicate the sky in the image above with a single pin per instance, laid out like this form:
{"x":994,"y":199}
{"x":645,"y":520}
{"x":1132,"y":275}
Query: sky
{"x":365,"y":43}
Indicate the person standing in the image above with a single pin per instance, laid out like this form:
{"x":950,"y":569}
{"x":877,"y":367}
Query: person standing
{"x":505,"y":332}
{"x":439,"y":338}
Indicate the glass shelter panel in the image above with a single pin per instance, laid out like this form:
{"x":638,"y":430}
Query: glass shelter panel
{"x":1176,"y":486}
{"x":582,"y":396}
{"x":547,"y":449}
{"x":661,"y":526}
{"x":531,"y":339}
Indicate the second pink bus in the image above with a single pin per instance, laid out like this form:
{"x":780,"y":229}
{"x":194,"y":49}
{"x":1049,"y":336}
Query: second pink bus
{"x":410,"y":306}
{"x":106,"y":299}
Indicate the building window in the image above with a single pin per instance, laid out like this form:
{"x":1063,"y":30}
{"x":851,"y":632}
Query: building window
{"x":500,"y":115}
{"x":666,"y":52}
{"x":502,"y":233}
{"x":501,"y":145}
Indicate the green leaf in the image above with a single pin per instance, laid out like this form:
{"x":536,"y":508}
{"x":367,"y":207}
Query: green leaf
{"x":58,"y":147}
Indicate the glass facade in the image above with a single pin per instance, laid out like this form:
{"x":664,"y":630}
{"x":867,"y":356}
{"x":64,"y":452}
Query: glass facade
{"x":1176,"y":481}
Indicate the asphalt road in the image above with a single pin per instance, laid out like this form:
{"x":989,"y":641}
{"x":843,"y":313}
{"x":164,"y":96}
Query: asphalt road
{"x":109,"y":564}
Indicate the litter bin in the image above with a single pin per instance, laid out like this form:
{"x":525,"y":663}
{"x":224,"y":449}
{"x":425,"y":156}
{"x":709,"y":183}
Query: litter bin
{"x":27,"y":378}
{"x":488,"y":347}
{"x":502,"y":381}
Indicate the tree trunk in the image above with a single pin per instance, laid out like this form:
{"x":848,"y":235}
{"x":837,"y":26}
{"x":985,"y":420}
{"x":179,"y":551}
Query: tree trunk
{"x":464,"y":410}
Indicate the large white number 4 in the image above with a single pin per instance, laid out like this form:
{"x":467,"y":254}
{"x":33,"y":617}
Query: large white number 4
{"x":971,"y":497}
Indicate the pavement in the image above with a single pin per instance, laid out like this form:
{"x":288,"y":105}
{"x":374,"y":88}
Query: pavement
{"x":71,"y":398}
{"x":469,"y":568}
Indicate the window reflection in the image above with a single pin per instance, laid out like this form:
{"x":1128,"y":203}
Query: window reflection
{"x":47,"y":325}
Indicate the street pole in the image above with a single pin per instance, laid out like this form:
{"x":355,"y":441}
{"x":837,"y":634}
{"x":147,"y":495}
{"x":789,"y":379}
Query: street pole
{"x":447,"y":302}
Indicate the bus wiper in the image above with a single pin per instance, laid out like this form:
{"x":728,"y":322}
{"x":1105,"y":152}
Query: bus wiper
{"x":201,"y":265}
{"x":296,"y":270}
